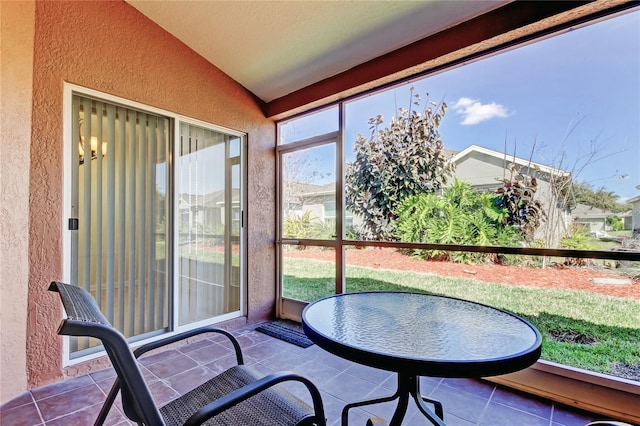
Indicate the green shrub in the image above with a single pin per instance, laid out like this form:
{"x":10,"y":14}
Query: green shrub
{"x":616,"y":223}
{"x":578,"y":238}
{"x":305,"y":226}
{"x":461,"y":215}
{"x":295,"y":226}
{"x":324,"y":230}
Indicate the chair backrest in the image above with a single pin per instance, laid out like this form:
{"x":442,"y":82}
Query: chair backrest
{"x":84,"y":318}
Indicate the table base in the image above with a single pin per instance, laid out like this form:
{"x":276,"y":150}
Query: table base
{"x":408,"y":385}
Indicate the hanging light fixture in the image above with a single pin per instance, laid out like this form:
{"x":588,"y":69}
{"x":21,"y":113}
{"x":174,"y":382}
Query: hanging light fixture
{"x":93,"y":146}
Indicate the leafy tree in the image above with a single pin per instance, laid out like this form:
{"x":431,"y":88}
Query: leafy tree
{"x":584,"y":193}
{"x":461,"y":215}
{"x":405,"y":158}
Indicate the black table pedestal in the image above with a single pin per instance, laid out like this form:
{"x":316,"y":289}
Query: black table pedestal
{"x":408,"y":386}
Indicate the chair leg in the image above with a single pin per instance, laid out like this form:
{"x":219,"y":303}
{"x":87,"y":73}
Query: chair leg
{"x":108,"y":403}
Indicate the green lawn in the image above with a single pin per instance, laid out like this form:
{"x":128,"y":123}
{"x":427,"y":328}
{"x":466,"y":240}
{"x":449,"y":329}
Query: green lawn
{"x":604,"y":331}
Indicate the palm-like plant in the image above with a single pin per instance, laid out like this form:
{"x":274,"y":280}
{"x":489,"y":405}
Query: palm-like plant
{"x":461,"y":215}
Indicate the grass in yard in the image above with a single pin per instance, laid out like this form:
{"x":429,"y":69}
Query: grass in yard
{"x":613,"y":324}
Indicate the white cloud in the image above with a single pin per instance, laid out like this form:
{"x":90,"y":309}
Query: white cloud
{"x":474,"y":112}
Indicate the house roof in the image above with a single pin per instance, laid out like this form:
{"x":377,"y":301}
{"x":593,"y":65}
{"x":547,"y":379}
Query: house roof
{"x":584,"y":211}
{"x":509,"y":159}
{"x":311,"y":190}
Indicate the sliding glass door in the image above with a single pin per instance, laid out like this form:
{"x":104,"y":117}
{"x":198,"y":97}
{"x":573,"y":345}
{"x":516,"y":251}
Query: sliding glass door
{"x":119,"y":212}
{"x":209,"y":219}
{"x":155,"y":220}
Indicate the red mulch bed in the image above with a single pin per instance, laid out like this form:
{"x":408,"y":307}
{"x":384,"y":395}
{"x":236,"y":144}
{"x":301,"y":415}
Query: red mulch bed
{"x":577,"y":278}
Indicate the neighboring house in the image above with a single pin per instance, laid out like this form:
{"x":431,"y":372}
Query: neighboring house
{"x":485,"y":168}
{"x":592,"y":218}
{"x":635,"y":212}
{"x":207,"y":212}
{"x":318,"y":200}
{"x":481,"y":167}
{"x":627,"y":220}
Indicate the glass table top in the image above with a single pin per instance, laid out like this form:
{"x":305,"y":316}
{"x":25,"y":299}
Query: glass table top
{"x":415,"y":326}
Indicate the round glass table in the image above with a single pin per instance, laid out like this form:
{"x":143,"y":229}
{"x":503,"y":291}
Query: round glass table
{"x":419,"y":334}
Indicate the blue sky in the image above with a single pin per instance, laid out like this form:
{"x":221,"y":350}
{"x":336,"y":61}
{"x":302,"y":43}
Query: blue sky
{"x":557,"y":100}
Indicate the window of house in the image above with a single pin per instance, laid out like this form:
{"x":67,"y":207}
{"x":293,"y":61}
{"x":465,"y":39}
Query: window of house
{"x":516,"y":195}
{"x":158,"y":242}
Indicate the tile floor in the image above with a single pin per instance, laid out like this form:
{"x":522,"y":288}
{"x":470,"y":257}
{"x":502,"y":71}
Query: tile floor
{"x":466,"y":402}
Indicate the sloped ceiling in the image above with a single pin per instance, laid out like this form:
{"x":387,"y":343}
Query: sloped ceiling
{"x":274,"y":48}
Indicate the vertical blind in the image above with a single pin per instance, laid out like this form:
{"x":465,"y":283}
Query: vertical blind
{"x":119,"y":251}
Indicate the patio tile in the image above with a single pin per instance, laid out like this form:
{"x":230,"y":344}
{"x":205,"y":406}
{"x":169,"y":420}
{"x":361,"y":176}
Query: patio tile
{"x":471,"y":387}
{"x":466,"y":402}
{"x":450,"y":419}
{"x":187,"y":380}
{"x":498,"y":414}
{"x":349,"y":388}
{"x":262,"y":351}
{"x":20,"y":415}
{"x":107,"y":373}
{"x":60,"y":387}
{"x":358,"y":416}
{"x":171,"y":366}
{"x":570,"y":416}
{"x":155,"y":357}
{"x":332,"y":408}
{"x":105,"y":385}
{"x":370,"y":374}
{"x":204,"y":354}
{"x":317,"y":372}
{"x":385,"y":411}
{"x":523,"y":402}
{"x":250,"y":338}
{"x":320,"y":355}
{"x":195,"y":345}
{"x":162,"y":393}
{"x":88,"y":415}
{"x":22,"y":399}
{"x":147,"y":375}
{"x":62,"y":404}
{"x":219,"y":365}
{"x":291,"y":361}
{"x":461,"y":404}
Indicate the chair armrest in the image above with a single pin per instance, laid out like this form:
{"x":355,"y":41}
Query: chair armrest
{"x":245,"y":392}
{"x":141,"y":350}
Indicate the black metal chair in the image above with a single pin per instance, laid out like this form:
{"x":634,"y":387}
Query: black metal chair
{"x":238,"y":396}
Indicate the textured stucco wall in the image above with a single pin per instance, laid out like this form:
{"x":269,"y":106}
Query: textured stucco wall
{"x":111,"y":47}
{"x":16,"y":66}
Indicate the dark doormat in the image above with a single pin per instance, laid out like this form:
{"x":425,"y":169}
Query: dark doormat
{"x":289,"y":331}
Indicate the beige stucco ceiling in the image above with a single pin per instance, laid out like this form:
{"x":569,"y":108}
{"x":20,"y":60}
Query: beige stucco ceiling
{"x":276,"y":47}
